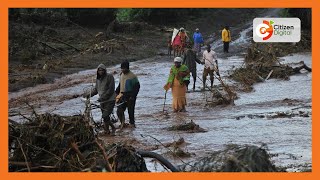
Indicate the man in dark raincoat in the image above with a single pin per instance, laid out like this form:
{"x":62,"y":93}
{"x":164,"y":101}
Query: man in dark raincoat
{"x":190,"y":59}
{"x":105,"y":88}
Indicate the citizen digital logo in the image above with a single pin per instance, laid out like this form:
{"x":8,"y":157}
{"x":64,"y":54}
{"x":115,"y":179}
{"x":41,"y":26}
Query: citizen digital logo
{"x":276,"y":29}
{"x":282,"y":30}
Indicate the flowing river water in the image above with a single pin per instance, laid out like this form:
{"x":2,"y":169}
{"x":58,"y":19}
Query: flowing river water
{"x":250,"y":121}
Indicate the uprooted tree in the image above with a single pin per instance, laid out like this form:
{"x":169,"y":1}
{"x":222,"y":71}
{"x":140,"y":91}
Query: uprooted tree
{"x":261,"y":63}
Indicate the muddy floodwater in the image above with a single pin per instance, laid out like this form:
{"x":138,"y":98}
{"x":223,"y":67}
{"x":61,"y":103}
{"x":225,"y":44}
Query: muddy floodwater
{"x":277,"y":113}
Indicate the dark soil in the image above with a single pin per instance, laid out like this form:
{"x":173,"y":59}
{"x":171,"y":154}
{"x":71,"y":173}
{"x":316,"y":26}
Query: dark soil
{"x":41,"y":53}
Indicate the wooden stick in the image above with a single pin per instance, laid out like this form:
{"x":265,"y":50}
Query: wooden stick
{"x":24,"y":155}
{"x":64,"y":43}
{"x":74,"y":146}
{"x":20,"y":163}
{"x":38,"y":41}
{"x":108,"y":166}
{"x":50,"y":46}
{"x":269,"y":75}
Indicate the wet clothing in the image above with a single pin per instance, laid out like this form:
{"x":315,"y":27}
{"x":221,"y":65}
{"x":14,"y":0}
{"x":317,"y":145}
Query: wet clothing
{"x":177,"y":41}
{"x":226,"y":47}
{"x":130,"y":104}
{"x":178,"y":80}
{"x":210,"y":60}
{"x":179,"y":101}
{"x":129,"y":87}
{"x":105,"y":88}
{"x":197,"y":47}
{"x":210,"y":65}
{"x":182,"y":74}
{"x":190,"y":59}
{"x":183,"y":38}
{"x":198,"y":40}
{"x":129,"y":84}
{"x":226,"y":38}
{"x":206,"y":72}
{"x":107,"y":109}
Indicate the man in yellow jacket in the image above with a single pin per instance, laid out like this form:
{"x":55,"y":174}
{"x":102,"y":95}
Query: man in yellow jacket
{"x":226,"y":38}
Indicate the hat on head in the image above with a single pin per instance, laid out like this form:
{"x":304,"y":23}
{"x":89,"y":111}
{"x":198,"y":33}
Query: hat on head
{"x":181,"y":28}
{"x":124,"y":65}
{"x":177,"y":59}
{"x":197,"y":29}
{"x":102,"y":66}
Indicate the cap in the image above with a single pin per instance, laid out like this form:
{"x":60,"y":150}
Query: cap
{"x":177,"y":59}
{"x":124,"y":65}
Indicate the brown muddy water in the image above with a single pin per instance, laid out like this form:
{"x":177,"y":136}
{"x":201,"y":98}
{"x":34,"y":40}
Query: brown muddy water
{"x":277,"y":113}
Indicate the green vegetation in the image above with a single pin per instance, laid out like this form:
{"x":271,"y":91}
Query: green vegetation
{"x":99,"y":17}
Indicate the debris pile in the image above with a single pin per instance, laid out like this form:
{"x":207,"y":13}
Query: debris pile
{"x":109,"y":46}
{"x":189,"y":127}
{"x":53,"y":143}
{"x":262,"y":63}
{"x":222,"y":97}
{"x":234,"y":158}
{"x":175,"y":149}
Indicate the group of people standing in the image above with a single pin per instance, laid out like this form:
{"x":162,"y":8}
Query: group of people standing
{"x":124,"y":95}
{"x":179,"y":77}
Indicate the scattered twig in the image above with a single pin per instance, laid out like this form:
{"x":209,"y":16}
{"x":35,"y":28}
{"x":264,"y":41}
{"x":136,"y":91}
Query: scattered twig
{"x":166,"y":148}
{"x":64,"y":43}
{"x":108,"y":166}
{"x":24,"y":155}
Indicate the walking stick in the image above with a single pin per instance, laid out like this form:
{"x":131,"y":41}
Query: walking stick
{"x":164,"y":103}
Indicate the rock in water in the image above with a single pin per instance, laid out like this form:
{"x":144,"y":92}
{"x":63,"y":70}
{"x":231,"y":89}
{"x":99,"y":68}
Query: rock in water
{"x":234,"y":158}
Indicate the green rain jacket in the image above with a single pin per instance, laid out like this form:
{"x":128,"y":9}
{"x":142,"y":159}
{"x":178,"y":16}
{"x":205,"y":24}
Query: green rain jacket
{"x":174,"y":72}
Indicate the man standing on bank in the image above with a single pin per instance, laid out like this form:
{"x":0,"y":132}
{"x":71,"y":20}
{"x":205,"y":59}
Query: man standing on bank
{"x":127,"y":92}
{"x":226,"y":38}
{"x":105,"y":88}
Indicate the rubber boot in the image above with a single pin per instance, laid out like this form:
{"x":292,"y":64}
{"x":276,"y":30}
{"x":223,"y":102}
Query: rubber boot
{"x":106,"y":128}
{"x":113,"y":129}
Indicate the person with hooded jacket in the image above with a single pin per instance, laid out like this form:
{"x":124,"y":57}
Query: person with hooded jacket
{"x":105,"y":88}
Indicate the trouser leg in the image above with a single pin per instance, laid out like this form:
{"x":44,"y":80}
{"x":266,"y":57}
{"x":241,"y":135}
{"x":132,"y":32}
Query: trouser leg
{"x":194,"y":76}
{"x":120,"y":114}
{"x":211,"y":77}
{"x":107,"y":108}
{"x":204,"y":77}
{"x":131,"y":107}
{"x":227,"y":47}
